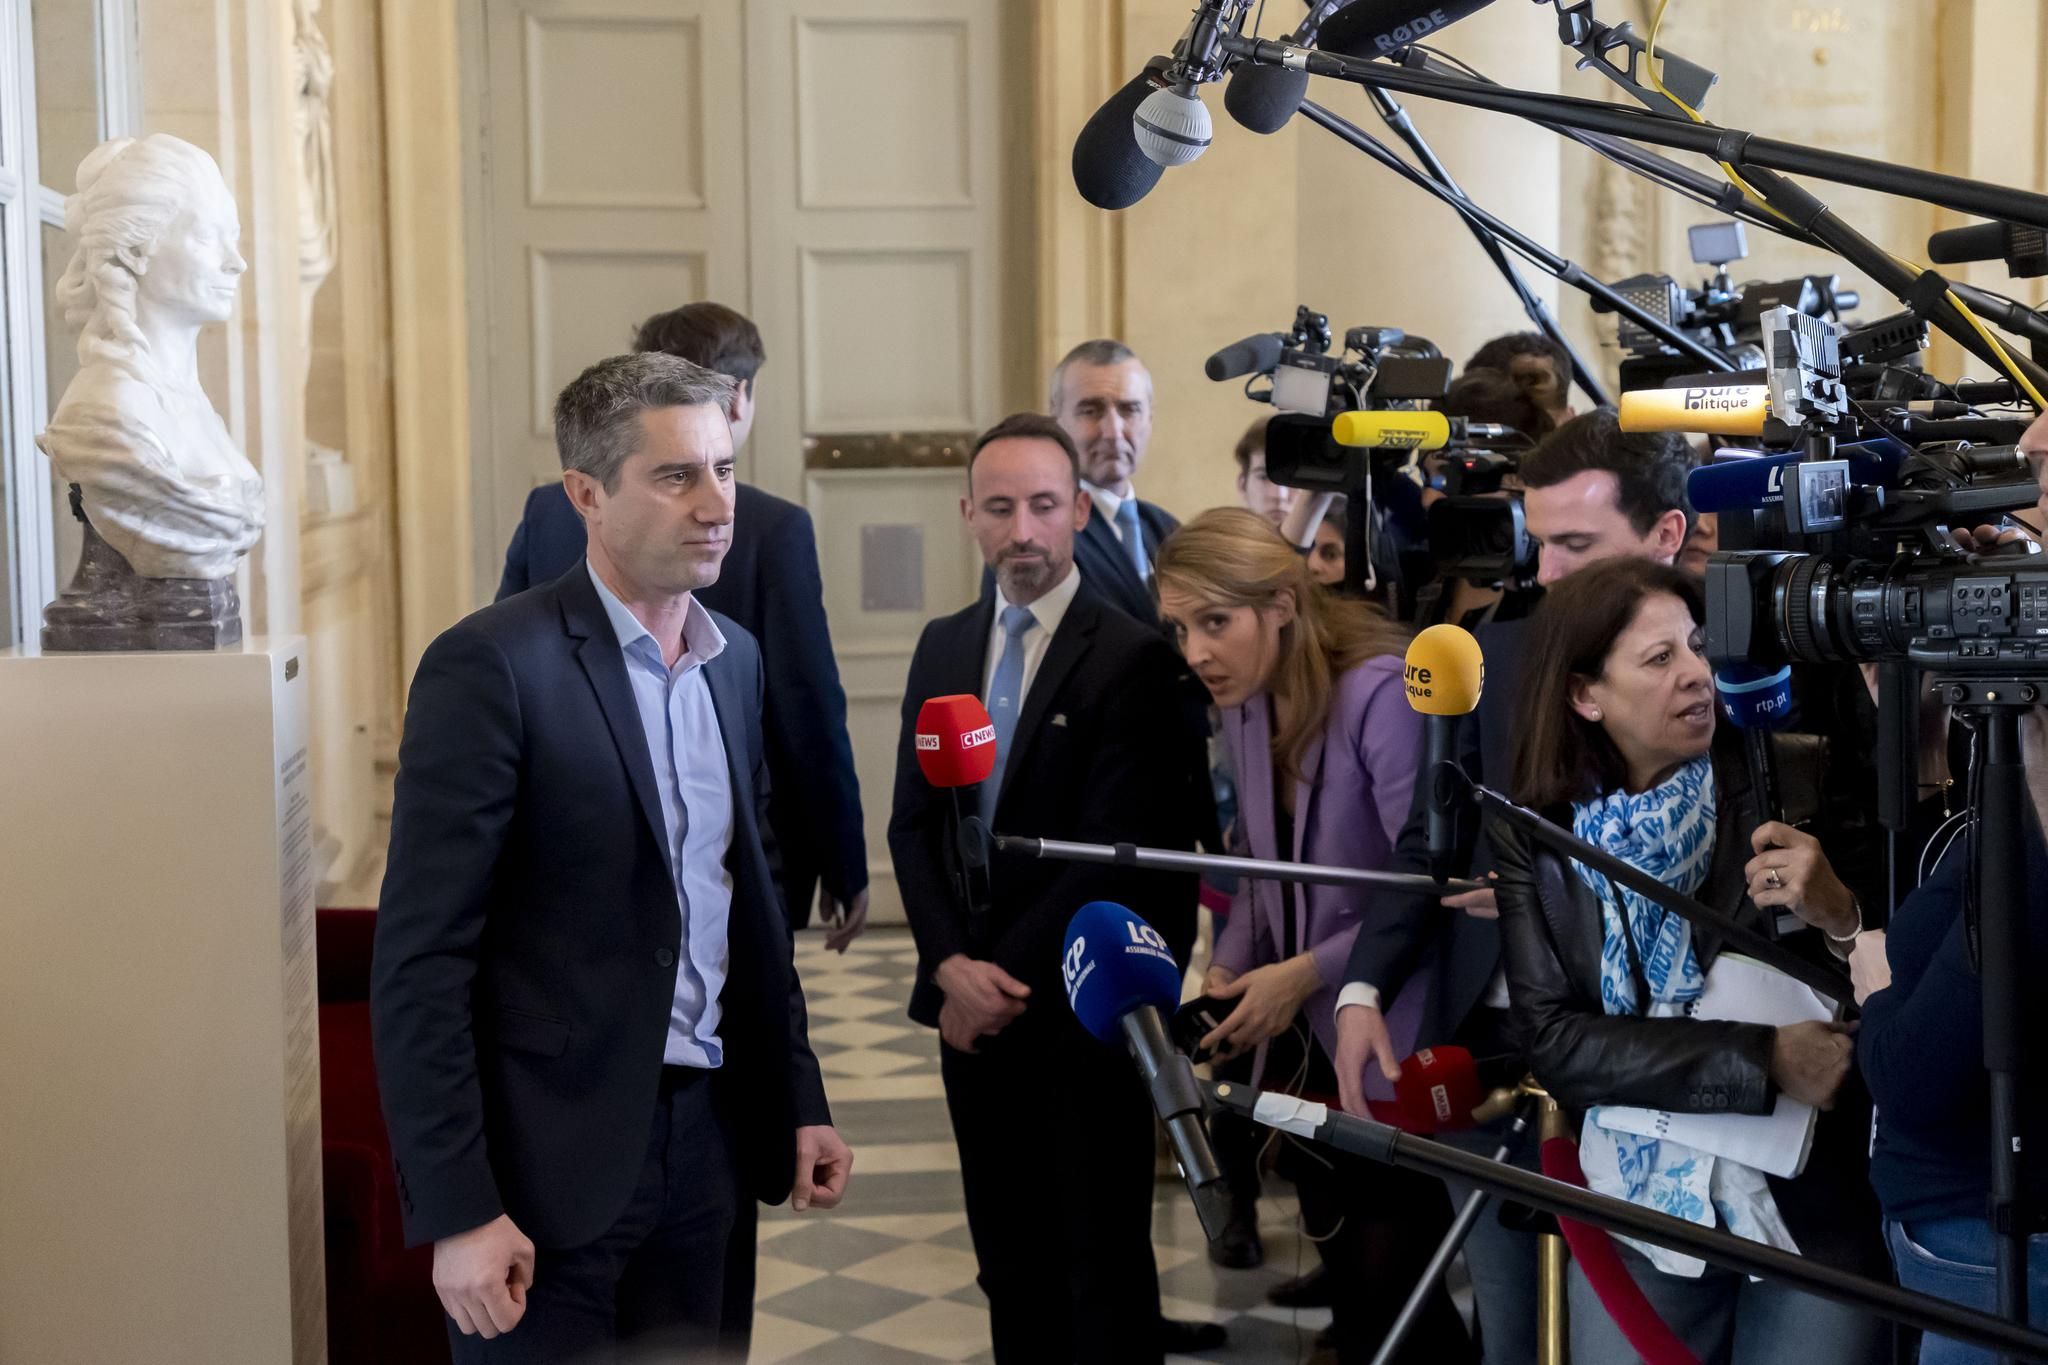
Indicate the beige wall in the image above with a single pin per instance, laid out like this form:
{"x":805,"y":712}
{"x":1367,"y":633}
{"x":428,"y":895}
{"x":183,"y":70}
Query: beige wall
{"x":1231,"y":244}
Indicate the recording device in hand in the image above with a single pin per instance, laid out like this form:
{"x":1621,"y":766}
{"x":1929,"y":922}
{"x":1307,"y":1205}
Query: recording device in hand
{"x":1121,"y":979}
{"x":956,"y":748}
{"x":1444,"y":674}
{"x":1758,"y":702}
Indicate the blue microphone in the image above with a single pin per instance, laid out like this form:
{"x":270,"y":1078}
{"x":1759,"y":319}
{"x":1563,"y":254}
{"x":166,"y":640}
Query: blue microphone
{"x":1758,"y":701}
{"x":1120,"y":976}
{"x":1748,"y":479}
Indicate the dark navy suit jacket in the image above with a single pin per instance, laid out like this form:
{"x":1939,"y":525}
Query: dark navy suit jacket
{"x":528,"y":931}
{"x":771,"y":585}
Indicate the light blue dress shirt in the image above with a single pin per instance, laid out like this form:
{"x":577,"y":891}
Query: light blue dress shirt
{"x":688,"y":752}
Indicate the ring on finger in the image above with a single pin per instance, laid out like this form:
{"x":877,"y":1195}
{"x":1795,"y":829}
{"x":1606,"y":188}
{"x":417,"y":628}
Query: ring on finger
{"x":1771,"y":876}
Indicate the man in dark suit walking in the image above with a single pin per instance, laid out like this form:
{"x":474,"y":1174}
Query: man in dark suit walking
{"x":590,"y":1039}
{"x":771,"y":585}
{"x":1101,"y":393}
{"x":1093,"y":742}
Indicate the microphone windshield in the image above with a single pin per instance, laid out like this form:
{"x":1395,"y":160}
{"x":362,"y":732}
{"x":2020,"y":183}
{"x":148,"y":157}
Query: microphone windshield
{"x":1254,"y":355}
{"x":1109,"y":170}
{"x":1374,"y":28}
{"x":1115,"y":963}
{"x":956,"y":741}
{"x":1445,"y":672}
{"x":1754,"y":697}
{"x":1438,"y":1090}
{"x":1398,"y":430}
{"x":1721,"y":410}
{"x":1263,"y":98}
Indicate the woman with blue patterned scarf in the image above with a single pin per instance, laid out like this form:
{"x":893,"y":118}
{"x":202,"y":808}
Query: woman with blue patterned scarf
{"x":1617,"y":742}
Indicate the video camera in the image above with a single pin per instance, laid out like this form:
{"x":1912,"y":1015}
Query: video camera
{"x":1850,"y":556}
{"x":1378,"y":368}
{"x":1720,"y":313}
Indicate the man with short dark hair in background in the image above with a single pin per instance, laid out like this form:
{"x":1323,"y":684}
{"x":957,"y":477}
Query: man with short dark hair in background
{"x":1542,"y":368}
{"x":1094,"y":742}
{"x":1256,"y":491}
{"x":1101,"y":395}
{"x":1592,"y":492}
{"x":590,"y":1040}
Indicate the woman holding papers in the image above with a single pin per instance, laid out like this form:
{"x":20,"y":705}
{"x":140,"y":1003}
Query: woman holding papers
{"x":1632,"y":1015}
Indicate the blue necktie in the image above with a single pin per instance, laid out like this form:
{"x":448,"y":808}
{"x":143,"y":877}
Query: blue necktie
{"x":1134,"y":539}
{"x":1006,"y":699}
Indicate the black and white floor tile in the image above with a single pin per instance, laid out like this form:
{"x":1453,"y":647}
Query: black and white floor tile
{"x":888,"y":1279}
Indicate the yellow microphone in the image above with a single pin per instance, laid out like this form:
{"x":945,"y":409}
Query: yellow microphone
{"x":1722,"y":410}
{"x":1392,"y":430}
{"x":1445,"y":673}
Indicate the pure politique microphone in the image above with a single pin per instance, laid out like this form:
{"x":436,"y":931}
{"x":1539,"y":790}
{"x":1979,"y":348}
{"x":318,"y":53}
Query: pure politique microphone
{"x":956,"y":748}
{"x":1411,"y":430}
{"x":1445,"y":672}
{"x":1758,"y":702}
{"x":1710,"y":410}
{"x":1121,"y":981}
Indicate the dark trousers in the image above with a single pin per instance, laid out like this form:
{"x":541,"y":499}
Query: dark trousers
{"x":652,"y":1286}
{"x":1055,"y":1137}
{"x":1375,"y":1228}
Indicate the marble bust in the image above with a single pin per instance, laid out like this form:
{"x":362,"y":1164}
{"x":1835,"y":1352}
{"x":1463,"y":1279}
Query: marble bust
{"x":157,"y":259}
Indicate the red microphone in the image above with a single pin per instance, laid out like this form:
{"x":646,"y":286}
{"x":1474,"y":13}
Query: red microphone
{"x":956,"y":741}
{"x":1438,"y":1091}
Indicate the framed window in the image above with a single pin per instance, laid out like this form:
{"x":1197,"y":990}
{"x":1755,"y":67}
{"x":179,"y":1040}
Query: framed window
{"x":67,"y":82}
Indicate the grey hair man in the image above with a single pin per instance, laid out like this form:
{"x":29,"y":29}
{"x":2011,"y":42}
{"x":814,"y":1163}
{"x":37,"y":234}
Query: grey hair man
{"x":1101,"y":395}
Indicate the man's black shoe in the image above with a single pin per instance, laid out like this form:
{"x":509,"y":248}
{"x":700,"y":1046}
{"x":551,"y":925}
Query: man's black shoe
{"x":1304,"y":1291}
{"x":1190,"y":1338}
{"x":1239,"y":1247}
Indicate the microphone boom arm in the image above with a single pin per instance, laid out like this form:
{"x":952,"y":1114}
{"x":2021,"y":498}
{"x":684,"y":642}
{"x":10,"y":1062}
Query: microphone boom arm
{"x":1172,"y":860}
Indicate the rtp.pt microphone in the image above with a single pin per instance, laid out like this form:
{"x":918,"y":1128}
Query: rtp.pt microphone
{"x":1410,"y":430}
{"x":1445,"y":672}
{"x":1121,"y":980}
{"x":1758,"y":701}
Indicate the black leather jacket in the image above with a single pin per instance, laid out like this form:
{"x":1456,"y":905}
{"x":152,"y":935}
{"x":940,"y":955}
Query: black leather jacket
{"x":1551,"y":938}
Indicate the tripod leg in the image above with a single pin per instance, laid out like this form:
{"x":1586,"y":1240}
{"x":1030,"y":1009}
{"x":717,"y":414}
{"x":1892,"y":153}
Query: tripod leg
{"x":1446,"y":1251}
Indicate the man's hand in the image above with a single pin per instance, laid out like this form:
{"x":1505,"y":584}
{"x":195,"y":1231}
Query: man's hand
{"x":846,"y":922}
{"x":824,"y":1163}
{"x":482,"y":1277}
{"x":1362,"y":1037}
{"x":1810,"y":1060}
{"x":1478,"y":904}
{"x":981,"y":998}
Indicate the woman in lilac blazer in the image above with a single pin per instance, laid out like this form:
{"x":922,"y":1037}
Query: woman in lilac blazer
{"x":1325,"y":749}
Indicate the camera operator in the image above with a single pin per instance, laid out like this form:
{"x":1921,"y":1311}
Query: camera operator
{"x":1325,"y":748}
{"x":1259,"y":494}
{"x":1616,"y":742}
{"x":1921,"y":1050}
{"x":1540,"y":367}
{"x":1593,"y":492}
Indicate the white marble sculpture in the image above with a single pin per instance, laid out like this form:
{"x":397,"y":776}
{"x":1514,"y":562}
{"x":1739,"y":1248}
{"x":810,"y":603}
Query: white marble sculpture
{"x":156,"y":261}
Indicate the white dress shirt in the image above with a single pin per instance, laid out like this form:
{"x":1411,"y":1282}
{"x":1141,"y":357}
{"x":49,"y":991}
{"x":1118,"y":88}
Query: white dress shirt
{"x":687,"y":750}
{"x":1109,"y":504}
{"x":1048,"y":611}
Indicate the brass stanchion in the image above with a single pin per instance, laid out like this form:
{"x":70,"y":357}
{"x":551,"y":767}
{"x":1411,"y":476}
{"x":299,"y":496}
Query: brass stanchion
{"x":1551,"y":1254}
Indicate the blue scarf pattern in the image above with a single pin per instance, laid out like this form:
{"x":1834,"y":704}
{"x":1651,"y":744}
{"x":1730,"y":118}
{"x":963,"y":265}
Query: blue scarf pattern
{"x":1668,"y":833}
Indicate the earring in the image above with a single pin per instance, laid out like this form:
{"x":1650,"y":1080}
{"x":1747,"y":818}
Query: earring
{"x":1596,"y":713}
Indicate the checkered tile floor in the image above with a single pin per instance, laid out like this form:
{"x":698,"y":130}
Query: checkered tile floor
{"x":888,"y":1279}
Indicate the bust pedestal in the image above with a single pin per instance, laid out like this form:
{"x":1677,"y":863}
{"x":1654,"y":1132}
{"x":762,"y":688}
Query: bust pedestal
{"x":108,"y":606}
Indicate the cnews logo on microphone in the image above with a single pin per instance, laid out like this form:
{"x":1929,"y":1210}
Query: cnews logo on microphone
{"x":974,"y":739}
{"x":1724,"y":399}
{"x":1409,"y":32}
{"x":929,"y":743}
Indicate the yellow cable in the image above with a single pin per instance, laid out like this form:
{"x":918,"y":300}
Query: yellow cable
{"x":1657,"y":83}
